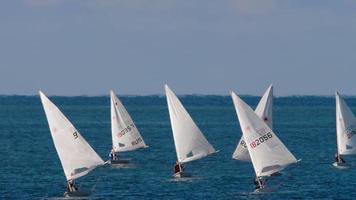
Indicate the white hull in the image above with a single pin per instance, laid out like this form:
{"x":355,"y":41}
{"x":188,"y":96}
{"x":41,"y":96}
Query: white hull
{"x":341,"y":165}
{"x":182,"y":175}
{"x":77,"y":193}
{"x":264,"y":190}
{"x":275,"y":174}
{"x":119,"y":162}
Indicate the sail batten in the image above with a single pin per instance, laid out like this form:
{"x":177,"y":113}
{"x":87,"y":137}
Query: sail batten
{"x":264,"y":111}
{"x":125,"y":135}
{"x":76,"y":155}
{"x":189,"y":141}
{"x":268,"y":153}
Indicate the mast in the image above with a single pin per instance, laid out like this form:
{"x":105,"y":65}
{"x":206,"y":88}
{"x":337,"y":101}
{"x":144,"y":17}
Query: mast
{"x":337,"y":125}
{"x":112,"y":115}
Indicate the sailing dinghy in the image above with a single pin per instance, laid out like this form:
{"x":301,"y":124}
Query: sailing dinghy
{"x":268,"y":154}
{"x":125,"y":136}
{"x":76,"y":155}
{"x":345,"y":131}
{"x":264,"y":112}
{"x":189,"y":141}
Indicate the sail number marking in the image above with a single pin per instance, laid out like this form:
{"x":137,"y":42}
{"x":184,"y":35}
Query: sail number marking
{"x":126,"y":130}
{"x":243,"y":143}
{"x":75,"y":134}
{"x":351,"y":131}
{"x":135,"y":142}
{"x":261,"y":140}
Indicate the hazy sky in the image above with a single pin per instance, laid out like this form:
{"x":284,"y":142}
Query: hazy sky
{"x":87,"y":47}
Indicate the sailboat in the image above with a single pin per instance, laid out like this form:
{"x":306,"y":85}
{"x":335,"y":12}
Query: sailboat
{"x":125,"y":136}
{"x":345,"y":131}
{"x":189,"y":141}
{"x":76,"y":155}
{"x":268,"y":154}
{"x":264,"y":112}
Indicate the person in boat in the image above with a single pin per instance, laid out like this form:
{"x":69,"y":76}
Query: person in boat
{"x":339,"y":159}
{"x":178,"y":167}
{"x":259,"y":183}
{"x":71,"y":186}
{"x":113,"y":155}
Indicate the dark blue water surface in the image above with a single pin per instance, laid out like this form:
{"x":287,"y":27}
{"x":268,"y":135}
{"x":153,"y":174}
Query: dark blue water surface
{"x":30,"y":168}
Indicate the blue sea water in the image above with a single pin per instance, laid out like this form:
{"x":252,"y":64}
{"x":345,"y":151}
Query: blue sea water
{"x":30,"y":168}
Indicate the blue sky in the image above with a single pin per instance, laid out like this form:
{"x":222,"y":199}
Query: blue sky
{"x":87,"y":47}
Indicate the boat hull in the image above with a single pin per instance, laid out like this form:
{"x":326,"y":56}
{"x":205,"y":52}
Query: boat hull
{"x":276,"y":174}
{"x":341,"y":165}
{"x":77,"y":193}
{"x":182,"y":175}
{"x":264,"y":190}
{"x":119,"y":162}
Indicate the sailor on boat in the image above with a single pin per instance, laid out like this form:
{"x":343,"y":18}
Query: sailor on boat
{"x":71,"y":186}
{"x":113,"y":155}
{"x":339,"y":159}
{"x":259,"y":183}
{"x":178,"y":167}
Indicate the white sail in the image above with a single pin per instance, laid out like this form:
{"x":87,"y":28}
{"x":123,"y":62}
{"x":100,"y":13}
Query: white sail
{"x":76,"y":155}
{"x":125,"y":135}
{"x":264,"y":111}
{"x":345,"y":128}
{"x":189,"y":141}
{"x":268,"y":153}
{"x":265,"y":106}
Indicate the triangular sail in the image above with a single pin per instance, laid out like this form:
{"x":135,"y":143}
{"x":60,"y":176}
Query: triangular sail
{"x":264,"y":111}
{"x":345,"y":128}
{"x":76,"y":155}
{"x":268,"y":153}
{"x":189,"y":141}
{"x":125,"y":135}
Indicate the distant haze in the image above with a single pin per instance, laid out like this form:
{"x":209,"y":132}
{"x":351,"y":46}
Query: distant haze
{"x":87,"y":47}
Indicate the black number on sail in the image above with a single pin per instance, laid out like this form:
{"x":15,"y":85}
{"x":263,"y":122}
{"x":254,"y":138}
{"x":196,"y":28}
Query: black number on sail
{"x":138,"y":140}
{"x":75,"y":134}
{"x":126,"y":130}
{"x":261,"y":140}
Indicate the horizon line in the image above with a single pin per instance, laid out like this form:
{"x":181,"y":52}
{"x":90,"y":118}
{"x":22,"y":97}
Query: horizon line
{"x":192,"y":94}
